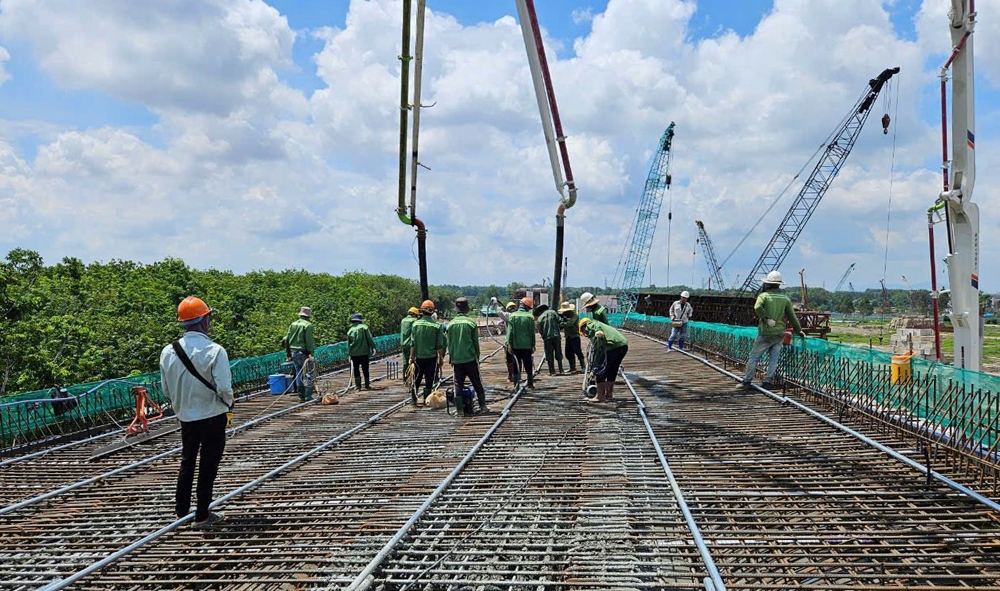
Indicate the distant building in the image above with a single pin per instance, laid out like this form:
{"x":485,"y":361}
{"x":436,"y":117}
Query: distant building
{"x":610,"y":302}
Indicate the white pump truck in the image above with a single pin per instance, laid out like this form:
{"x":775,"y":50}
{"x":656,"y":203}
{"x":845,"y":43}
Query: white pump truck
{"x":961,"y":214}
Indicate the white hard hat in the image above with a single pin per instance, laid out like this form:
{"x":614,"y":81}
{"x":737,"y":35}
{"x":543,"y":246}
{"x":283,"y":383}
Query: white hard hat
{"x":774,"y":277}
{"x":685,"y":294}
{"x":588,"y":299}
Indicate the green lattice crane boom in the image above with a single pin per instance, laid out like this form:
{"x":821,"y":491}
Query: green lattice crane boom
{"x":632,"y":269}
{"x":714,"y":269}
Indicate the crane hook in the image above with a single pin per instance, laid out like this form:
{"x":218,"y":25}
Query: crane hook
{"x":885,"y":124}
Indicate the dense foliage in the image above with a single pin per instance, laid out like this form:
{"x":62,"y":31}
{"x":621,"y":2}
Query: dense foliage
{"x":70,"y":322}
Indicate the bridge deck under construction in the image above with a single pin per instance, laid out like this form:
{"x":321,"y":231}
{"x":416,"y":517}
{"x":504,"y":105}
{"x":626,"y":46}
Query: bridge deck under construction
{"x":685,"y":481}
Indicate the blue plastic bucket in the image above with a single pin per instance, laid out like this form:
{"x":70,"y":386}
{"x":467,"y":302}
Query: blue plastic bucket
{"x":278,"y":383}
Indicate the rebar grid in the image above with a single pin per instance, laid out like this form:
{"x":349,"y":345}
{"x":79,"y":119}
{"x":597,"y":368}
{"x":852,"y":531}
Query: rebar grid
{"x":63,"y":534}
{"x":956,"y":424}
{"x":787,"y":502}
{"x":565,"y":495}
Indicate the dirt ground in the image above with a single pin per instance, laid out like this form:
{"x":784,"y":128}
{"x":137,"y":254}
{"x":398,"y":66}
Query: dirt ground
{"x":990,"y":364}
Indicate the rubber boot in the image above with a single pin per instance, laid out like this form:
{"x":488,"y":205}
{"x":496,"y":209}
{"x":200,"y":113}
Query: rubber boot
{"x":357,"y":382}
{"x":572,"y":365}
{"x":308,"y":394}
{"x":531,"y":379}
{"x":559,"y":363}
{"x":413,"y":396}
{"x":460,"y":410}
{"x":552,"y":367}
{"x":427,"y":392}
{"x":301,"y":389}
{"x":482,"y":402}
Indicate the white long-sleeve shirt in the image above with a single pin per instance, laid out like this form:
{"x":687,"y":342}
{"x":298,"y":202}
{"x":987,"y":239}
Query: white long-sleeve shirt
{"x":681,"y":312}
{"x":191,"y":399}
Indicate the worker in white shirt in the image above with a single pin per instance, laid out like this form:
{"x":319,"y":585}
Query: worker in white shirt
{"x":680,"y":315}
{"x":199,"y":384}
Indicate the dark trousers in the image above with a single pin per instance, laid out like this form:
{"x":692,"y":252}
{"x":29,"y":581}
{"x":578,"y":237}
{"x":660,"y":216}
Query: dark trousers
{"x":614,"y":361}
{"x":574,"y":351}
{"x":552,"y":351}
{"x":208,"y":436}
{"x":523,"y":358}
{"x":469,"y":370}
{"x":425,"y":371}
{"x":360,"y":363}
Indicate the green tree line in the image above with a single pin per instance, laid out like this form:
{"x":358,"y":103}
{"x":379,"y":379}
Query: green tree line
{"x":73,"y":322}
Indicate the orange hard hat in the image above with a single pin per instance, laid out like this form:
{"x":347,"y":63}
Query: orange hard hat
{"x":427,"y":306}
{"x":528,"y":302}
{"x":191,"y":308}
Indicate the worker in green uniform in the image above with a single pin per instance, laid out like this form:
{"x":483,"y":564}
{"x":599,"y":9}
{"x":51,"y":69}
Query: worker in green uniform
{"x":463,"y":354}
{"x":521,"y":339}
{"x":300,"y":343}
{"x":427,"y":350}
{"x":548,"y":329}
{"x":594,"y":307}
{"x":360,"y":346}
{"x":774,"y":313}
{"x":405,"y":338}
{"x":610,"y":349}
{"x":570,"y":323}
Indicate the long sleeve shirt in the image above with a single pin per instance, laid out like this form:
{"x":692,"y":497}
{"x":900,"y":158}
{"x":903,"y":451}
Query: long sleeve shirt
{"x":612,"y":338}
{"x":406,"y":332}
{"x":428,"y":338}
{"x":521,"y":330}
{"x":300,"y":336}
{"x":570,"y":324}
{"x":600,"y":313}
{"x":191,"y":399}
{"x":463,"y":339}
{"x":771,"y":305}
{"x":548,"y":324}
{"x":359,"y":341}
{"x":681,"y":312}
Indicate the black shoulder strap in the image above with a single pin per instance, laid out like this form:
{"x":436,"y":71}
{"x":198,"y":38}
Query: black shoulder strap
{"x":190,"y":366}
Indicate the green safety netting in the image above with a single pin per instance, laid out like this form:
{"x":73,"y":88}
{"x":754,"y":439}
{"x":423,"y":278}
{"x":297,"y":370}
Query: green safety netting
{"x":947,"y":403}
{"x":30,"y":416}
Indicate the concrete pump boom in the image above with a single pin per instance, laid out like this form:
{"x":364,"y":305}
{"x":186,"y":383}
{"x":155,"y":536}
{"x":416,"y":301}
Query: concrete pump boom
{"x":961,"y":214}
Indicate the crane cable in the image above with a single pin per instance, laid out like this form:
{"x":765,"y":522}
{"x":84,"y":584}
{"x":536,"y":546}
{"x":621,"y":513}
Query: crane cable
{"x":888,"y":213}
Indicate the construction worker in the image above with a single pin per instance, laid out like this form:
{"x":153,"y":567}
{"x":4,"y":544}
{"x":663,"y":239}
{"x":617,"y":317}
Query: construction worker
{"x":774,"y":312}
{"x":299,"y":347}
{"x":610,"y":348}
{"x":196,"y":379}
{"x":594,"y":307}
{"x":463,"y":353}
{"x":427,"y":349}
{"x":548,"y":327}
{"x":512,"y":373}
{"x":405,"y":338}
{"x":570,"y":323}
{"x":521,"y":339}
{"x":360,"y":346}
{"x":680,"y":315}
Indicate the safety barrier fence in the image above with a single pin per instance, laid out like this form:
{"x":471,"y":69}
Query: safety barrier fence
{"x":31,"y":417}
{"x":948,"y":413}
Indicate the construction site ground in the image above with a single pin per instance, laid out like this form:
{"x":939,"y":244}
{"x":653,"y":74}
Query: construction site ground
{"x":684,"y":478}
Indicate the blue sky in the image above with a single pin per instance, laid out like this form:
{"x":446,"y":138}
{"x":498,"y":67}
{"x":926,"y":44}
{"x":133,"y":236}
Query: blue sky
{"x":288,"y":147}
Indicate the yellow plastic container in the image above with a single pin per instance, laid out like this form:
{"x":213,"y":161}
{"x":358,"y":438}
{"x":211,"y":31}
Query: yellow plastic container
{"x":902,"y":369}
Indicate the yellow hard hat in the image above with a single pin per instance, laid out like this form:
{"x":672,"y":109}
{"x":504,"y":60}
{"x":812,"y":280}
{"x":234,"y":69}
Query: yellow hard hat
{"x":583,"y":324}
{"x":413,"y":310}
